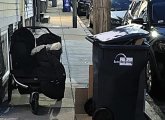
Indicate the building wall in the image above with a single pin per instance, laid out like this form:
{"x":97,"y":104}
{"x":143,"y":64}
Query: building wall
{"x":28,"y":9}
{"x":9,"y":18}
{"x":9,"y":12}
{"x":12,"y":14}
{"x":12,"y":10}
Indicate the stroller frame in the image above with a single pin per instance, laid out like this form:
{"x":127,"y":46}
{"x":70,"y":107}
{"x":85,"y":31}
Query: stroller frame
{"x":16,"y":84}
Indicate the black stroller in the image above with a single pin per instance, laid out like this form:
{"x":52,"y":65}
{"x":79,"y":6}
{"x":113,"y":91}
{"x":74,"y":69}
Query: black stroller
{"x":35,"y":65}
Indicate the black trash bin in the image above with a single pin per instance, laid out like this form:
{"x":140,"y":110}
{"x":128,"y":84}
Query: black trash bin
{"x":119,"y":59}
{"x":66,"y":6}
{"x":54,"y":3}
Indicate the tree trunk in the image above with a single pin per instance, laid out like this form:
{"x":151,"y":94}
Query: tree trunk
{"x":101,"y":10}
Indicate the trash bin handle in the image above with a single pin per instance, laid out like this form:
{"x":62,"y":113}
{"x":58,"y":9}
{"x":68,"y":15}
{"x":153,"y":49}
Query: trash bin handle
{"x":91,"y":39}
{"x":38,"y":27}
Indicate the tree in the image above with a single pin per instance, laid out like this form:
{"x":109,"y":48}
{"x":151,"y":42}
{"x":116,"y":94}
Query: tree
{"x":101,"y":16}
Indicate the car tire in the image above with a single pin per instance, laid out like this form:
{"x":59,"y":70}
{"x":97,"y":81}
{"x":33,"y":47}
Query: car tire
{"x":156,"y":87}
{"x":87,"y":12}
{"x":89,"y":23}
{"x":79,"y":13}
{"x":87,"y":15}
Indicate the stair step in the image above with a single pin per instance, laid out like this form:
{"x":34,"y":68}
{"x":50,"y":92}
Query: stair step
{"x":45,"y":19}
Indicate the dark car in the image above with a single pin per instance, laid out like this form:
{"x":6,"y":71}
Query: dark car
{"x":82,"y":6}
{"x":150,"y":15}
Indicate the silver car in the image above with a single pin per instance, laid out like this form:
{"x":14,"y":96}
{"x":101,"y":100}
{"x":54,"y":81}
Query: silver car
{"x":118,"y":10}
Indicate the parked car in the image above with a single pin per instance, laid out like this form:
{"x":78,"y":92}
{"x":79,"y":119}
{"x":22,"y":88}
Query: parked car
{"x":132,"y":12}
{"x":118,"y":10}
{"x":82,"y":6}
{"x":149,"y":14}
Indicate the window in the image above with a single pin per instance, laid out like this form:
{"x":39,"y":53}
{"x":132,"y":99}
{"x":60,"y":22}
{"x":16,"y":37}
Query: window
{"x":158,"y":13}
{"x":118,"y":5}
{"x":134,"y":8}
{"x":143,"y":8}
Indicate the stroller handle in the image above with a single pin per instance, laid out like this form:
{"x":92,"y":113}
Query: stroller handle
{"x":38,"y":27}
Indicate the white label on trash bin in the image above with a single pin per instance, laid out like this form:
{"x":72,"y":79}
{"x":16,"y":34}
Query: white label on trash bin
{"x":122,"y":60}
{"x":128,"y":61}
{"x":67,"y":4}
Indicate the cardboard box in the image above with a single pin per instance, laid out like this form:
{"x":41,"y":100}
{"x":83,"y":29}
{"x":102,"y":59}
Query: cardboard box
{"x":90,"y":86}
{"x":81,"y":96}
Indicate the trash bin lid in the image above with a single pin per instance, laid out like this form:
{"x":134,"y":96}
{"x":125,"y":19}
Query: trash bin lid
{"x":121,"y":34}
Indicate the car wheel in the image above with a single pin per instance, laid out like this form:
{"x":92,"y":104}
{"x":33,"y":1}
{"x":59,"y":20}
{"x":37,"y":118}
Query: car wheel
{"x":87,"y":12}
{"x":87,"y":15}
{"x":89,"y":23}
{"x":155,"y":85}
{"x":79,"y":13}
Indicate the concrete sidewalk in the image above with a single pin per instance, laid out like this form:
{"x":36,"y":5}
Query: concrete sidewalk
{"x":76,"y":57}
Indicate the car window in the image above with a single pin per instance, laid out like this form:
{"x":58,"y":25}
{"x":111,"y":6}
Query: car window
{"x":135,"y":8}
{"x":144,"y":15}
{"x":158,"y":13}
{"x":118,"y":5}
{"x":140,"y":10}
{"x":143,"y":8}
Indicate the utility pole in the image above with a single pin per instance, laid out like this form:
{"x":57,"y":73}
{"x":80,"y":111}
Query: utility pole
{"x":101,"y":17}
{"x":23,"y":13}
{"x":74,"y":3}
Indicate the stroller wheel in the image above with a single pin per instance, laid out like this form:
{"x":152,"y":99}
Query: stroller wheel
{"x":34,"y":97}
{"x":10,"y":88}
{"x":103,"y":114}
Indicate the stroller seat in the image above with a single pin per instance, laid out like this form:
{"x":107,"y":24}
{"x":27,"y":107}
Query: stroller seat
{"x":41,"y":72}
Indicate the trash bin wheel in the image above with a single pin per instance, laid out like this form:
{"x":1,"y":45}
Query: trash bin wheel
{"x":34,"y":97}
{"x":89,"y":107}
{"x":103,"y":114}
